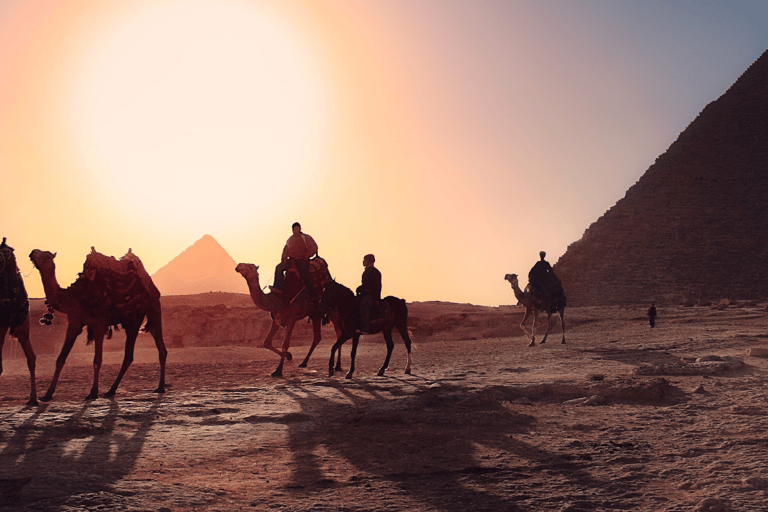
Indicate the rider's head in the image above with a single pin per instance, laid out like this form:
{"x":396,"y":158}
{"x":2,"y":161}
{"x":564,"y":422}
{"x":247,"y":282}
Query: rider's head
{"x":296,"y":227}
{"x":542,"y":255}
{"x":368,"y":260}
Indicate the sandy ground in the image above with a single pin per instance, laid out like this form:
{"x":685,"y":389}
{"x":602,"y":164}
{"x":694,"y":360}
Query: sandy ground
{"x":623,"y":417}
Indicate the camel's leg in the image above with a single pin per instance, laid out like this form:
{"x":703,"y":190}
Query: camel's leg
{"x":522,"y":324}
{"x":162,"y":352}
{"x":267,"y":344}
{"x":532,"y":336}
{"x":352,"y":356}
{"x":286,"y":345}
{"x":533,"y":327}
{"x":315,"y":339}
{"x":3,"y":331}
{"x":131,"y":332}
{"x":73,"y":331}
{"x":390,"y":346}
{"x":549,"y":327}
{"x":22,"y":334}
{"x":562,"y":324}
{"x":98,"y":353}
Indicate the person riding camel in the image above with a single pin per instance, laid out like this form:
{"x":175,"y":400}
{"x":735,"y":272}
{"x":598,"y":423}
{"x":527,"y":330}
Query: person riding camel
{"x":368,"y":292}
{"x":540,"y":278}
{"x":298,"y":249}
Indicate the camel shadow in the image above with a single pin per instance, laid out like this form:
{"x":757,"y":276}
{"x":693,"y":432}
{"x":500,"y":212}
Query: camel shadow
{"x":445,"y":448}
{"x":55,"y":456}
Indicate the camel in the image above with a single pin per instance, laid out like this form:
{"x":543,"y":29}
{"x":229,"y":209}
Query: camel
{"x":286,"y":308}
{"x":344,"y":310}
{"x":14,"y":312}
{"x":108,"y":293}
{"x":534,"y":305}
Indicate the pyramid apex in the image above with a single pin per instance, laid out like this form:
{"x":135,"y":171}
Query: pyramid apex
{"x":690,"y":229}
{"x":203,"y":267}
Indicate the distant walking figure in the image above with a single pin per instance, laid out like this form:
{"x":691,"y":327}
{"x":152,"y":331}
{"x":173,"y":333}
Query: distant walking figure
{"x":652,"y":315}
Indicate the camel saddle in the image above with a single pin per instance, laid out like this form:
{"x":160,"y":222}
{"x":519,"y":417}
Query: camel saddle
{"x":13,"y":296}
{"x":123,"y":283}
{"x":550,"y":291}
{"x":293,"y":285}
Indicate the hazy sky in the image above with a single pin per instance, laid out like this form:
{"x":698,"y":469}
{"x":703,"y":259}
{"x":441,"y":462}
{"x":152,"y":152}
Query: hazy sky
{"x":452,"y":139}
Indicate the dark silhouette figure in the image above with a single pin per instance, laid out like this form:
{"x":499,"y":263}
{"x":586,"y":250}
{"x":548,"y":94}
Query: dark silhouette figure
{"x":343,"y":308}
{"x":369,"y":291}
{"x":534,"y":305}
{"x":543,"y":283}
{"x":299,"y":248}
{"x":108,"y":293}
{"x":14,"y":312}
{"x":652,"y":315}
{"x":288,"y":307}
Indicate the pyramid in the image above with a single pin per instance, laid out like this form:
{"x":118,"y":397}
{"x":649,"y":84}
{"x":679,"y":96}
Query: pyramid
{"x":693,"y":228}
{"x":203,"y":267}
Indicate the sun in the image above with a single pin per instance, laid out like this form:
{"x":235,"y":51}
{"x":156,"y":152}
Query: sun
{"x":198,"y":110}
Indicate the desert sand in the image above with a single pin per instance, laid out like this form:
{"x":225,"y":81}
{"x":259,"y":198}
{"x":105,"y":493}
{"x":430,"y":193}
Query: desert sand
{"x":622,"y":417}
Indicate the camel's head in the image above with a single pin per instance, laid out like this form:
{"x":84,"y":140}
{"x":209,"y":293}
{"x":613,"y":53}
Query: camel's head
{"x":247,"y":270}
{"x":512,"y":278}
{"x":42,"y":259}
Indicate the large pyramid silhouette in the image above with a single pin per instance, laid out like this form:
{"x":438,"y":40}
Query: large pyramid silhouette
{"x":203,"y":267}
{"x":694,"y":226}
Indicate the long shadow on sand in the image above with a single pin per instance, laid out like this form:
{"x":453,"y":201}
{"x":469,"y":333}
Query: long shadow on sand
{"x":442,"y":448}
{"x":66,"y":454}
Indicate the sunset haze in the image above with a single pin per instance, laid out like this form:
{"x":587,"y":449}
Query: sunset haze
{"x":454,"y":140}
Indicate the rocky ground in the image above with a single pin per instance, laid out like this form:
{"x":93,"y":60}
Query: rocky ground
{"x":622,"y":417}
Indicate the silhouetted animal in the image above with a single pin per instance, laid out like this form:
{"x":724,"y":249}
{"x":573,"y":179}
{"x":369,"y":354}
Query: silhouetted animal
{"x":534,"y":304}
{"x":14,"y":312}
{"x":286,"y":308}
{"x":342,"y":306}
{"x":107,"y":293}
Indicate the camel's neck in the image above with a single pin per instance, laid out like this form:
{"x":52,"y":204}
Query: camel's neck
{"x":519,"y":295}
{"x":257,"y":294}
{"x":54,"y":294}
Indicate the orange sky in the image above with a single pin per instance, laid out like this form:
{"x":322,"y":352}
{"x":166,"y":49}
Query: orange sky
{"x":452,"y":139}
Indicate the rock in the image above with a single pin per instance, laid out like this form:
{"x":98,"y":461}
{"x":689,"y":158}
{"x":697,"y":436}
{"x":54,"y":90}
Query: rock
{"x":700,"y":367}
{"x":704,"y":359}
{"x":758,"y":352}
{"x":755,"y":482}
{"x":711,"y":505}
{"x":523,"y":400}
{"x":700,"y":389}
{"x":587,"y":400}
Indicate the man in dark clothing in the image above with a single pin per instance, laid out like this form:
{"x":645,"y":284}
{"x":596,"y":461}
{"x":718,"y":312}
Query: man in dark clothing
{"x":652,"y":314}
{"x":540,"y":276}
{"x":369,"y":291}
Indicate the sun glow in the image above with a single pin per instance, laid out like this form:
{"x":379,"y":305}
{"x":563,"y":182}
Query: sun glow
{"x":196,"y":110}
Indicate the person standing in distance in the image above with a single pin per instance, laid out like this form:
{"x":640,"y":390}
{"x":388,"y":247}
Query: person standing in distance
{"x":652,"y":315}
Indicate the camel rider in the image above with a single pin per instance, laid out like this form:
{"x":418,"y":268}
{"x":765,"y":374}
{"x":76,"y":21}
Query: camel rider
{"x":369,"y":291}
{"x":298,"y":249}
{"x":540,"y":276}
